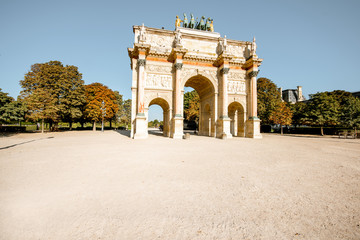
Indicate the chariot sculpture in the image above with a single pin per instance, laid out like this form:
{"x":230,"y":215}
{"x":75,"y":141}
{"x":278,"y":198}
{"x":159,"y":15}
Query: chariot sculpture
{"x":203,"y":25}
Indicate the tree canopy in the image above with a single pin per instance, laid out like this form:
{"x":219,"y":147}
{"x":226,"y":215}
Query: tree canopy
{"x":100,"y":102}
{"x":53,"y":92}
{"x":282,"y":115}
{"x":268,"y":97}
{"x":191,"y":106}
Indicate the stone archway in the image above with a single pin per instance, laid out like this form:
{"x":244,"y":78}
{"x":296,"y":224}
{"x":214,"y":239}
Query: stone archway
{"x":206,"y":90}
{"x":166,"y":113}
{"x":237,"y":116}
{"x":163,"y":62}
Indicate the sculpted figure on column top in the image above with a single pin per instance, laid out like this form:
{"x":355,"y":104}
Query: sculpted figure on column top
{"x":142,"y":34}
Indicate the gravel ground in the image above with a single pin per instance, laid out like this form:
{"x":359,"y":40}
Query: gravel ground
{"x":93,"y":185}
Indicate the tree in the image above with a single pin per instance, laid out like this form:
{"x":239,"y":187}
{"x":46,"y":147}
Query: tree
{"x":72,"y":96}
{"x":125,"y":115}
{"x":191,"y":105}
{"x":298,"y":110}
{"x":282,"y":115}
{"x":350,"y":113}
{"x":13,"y":112}
{"x":4,"y":101}
{"x":119,"y":103}
{"x":268,"y":97}
{"x":322,"y":110}
{"x":53,"y":92}
{"x":100,"y":103}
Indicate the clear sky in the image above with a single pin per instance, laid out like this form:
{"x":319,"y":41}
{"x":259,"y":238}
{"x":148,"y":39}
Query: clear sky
{"x":312,"y":43}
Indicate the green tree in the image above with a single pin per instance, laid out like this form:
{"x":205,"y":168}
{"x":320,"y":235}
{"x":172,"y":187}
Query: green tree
{"x":125,"y":114}
{"x":53,"y":92}
{"x":13,"y":112}
{"x":119,"y":103}
{"x":268,"y":97}
{"x":191,"y":105}
{"x":350,"y":113}
{"x":100,"y":103}
{"x":322,"y":110}
{"x":282,"y":115}
{"x":298,"y":110}
{"x":71,"y":96}
{"x":4,"y":101}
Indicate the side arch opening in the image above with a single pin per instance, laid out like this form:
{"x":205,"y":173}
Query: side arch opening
{"x":237,"y":115}
{"x":162,"y":127}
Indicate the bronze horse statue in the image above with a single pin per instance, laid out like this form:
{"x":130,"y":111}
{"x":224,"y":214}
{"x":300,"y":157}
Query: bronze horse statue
{"x":201,"y":24}
{"x":185,"y":22}
{"x":192,"y":21}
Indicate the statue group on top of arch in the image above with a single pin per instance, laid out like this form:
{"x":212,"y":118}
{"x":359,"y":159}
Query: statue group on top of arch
{"x":194,"y":24}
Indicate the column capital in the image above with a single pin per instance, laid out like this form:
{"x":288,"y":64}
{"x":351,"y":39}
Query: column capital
{"x":178,"y":66}
{"x":224,"y":70}
{"x":141,"y":62}
{"x":253,"y":73}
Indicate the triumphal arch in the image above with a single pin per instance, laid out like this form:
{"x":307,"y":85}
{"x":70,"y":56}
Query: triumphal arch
{"x":222,"y":71}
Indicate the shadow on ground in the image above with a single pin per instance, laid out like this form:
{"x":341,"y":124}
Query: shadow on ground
{"x":17,"y":144}
{"x":123,"y":132}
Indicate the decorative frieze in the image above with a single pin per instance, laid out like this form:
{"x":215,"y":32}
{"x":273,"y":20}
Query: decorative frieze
{"x":236,"y":75}
{"x":237,"y":51}
{"x":160,"y":41}
{"x":236,"y":87}
{"x":158,"y":81}
{"x":158,"y":69}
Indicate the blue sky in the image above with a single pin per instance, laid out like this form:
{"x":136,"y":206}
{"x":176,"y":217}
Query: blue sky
{"x":312,"y":43}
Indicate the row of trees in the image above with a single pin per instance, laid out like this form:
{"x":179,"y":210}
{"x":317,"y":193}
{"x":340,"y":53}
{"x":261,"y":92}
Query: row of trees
{"x":53,"y":93}
{"x":323,"y":109}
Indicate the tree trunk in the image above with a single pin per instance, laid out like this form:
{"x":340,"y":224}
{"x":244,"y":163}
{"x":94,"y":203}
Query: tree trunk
{"x":110,"y":123}
{"x":322,"y":131}
{"x":281,"y":129}
{"x":42,"y":125}
{"x":70,"y":125}
{"x":94,"y":126}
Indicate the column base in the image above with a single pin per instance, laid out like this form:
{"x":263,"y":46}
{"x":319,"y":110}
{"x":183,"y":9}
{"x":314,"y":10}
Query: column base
{"x":140,"y":127}
{"x":253,"y":128}
{"x":178,"y":127}
{"x":223,"y":128}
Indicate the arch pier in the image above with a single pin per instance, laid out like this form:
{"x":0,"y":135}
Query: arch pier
{"x":222,"y":71}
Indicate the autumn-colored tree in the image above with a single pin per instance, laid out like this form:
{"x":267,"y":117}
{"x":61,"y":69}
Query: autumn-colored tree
{"x":282,"y":115}
{"x":268,"y":97}
{"x":100,"y":103}
{"x":53,"y":92}
{"x":191,"y":105}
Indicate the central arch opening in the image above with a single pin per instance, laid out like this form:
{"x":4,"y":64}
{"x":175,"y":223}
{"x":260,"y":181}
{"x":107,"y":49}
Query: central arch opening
{"x":206,"y":102}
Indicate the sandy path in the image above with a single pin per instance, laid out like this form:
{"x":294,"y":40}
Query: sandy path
{"x":85,"y":185}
